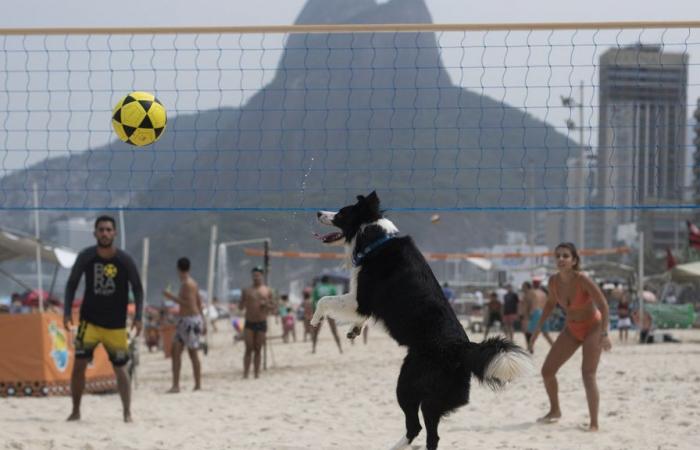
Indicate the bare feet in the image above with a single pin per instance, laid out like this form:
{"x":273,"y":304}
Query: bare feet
{"x":589,"y":428}
{"x":127,"y":417}
{"x":173,"y":390}
{"x":74,"y":416}
{"x":551,"y":417}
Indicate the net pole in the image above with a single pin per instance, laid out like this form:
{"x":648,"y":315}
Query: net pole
{"x":144,"y":270}
{"x":210,"y":274}
{"x":581,"y":175}
{"x":640,"y":286}
{"x":38,"y":248}
{"x":122,"y":226}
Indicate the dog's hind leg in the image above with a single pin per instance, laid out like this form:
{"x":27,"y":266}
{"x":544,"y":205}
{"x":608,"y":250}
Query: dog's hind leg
{"x":454,"y":393}
{"x":431,"y":416}
{"x":409,"y":397}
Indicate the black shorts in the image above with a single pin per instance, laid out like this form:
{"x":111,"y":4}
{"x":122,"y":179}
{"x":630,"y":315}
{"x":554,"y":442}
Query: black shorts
{"x":493,"y":317}
{"x":256,"y":326}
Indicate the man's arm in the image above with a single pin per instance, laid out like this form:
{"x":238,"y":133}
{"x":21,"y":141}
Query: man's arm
{"x":71,"y":286}
{"x":136,"y":287}
{"x":169,"y":295}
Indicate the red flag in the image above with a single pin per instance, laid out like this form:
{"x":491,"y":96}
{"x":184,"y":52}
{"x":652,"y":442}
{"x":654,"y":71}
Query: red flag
{"x":670,"y":259}
{"x":693,"y":235}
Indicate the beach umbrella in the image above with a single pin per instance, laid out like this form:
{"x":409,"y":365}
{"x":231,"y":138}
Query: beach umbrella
{"x":649,"y":296}
{"x":31,"y":298}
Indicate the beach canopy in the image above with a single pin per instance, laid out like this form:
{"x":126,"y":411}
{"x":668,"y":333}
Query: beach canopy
{"x":14,"y":245}
{"x":683,"y":273}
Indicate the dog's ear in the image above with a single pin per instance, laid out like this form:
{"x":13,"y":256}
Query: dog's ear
{"x":360,"y":198}
{"x":373,"y":202}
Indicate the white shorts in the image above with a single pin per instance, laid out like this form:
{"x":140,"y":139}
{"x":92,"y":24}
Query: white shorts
{"x":188,"y":330}
{"x":624,"y":324}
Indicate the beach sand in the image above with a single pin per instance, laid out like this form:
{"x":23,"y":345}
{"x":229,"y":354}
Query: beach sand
{"x":650,"y":399}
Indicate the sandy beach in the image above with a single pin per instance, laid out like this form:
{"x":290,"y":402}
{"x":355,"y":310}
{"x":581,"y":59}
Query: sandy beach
{"x":650,"y":399}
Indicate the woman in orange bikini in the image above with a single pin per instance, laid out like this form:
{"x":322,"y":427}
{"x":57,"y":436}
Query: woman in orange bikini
{"x":586,"y":327}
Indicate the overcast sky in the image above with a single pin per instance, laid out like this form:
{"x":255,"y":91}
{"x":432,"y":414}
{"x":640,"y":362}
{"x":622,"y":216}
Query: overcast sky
{"x":541,"y":101}
{"x":47,"y":13}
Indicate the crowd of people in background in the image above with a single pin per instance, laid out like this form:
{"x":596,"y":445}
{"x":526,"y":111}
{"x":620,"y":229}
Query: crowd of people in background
{"x":571,"y":303}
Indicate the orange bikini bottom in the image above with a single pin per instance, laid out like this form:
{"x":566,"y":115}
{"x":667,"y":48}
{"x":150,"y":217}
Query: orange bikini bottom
{"x":580,"y":330}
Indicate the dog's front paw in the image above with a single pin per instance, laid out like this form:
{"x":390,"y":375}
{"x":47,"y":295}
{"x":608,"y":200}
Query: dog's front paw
{"x":316,"y":319}
{"x":354,"y":332}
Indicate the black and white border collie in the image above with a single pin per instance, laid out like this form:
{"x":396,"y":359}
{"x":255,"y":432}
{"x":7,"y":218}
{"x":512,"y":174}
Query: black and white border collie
{"x":392,"y":282}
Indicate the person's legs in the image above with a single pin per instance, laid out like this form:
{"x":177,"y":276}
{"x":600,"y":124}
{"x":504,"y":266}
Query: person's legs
{"x":176,"y":356}
{"x":409,"y":397}
{"x":124,"y":388}
{"x":489,"y":322}
{"x":365,"y":334}
{"x":77,"y":386}
{"x":508,"y":322}
{"x":249,"y":338}
{"x":591,"y":349}
{"x":334,"y":330}
{"x":307,"y":328}
{"x":548,"y":338}
{"x":259,"y":341}
{"x":561,"y":351}
{"x":196,"y":368}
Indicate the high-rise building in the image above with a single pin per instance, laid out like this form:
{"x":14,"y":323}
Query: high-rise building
{"x":641,"y":146}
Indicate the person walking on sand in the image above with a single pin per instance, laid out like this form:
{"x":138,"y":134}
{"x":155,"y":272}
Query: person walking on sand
{"x":191,"y":324}
{"x":108,"y":272}
{"x":495,"y":312}
{"x":534,"y":301}
{"x":624,"y":318}
{"x":510,"y":312}
{"x":587,"y":319}
{"x":308,"y":309}
{"x":257,"y":303}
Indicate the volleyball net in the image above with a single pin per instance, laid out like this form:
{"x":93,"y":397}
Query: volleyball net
{"x":434,"y":117}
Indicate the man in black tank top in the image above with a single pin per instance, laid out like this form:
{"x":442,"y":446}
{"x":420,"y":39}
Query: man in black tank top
{"x":108,"y":274}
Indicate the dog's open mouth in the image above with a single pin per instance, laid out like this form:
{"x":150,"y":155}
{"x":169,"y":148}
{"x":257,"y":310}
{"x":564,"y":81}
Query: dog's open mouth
{"x":330,"y":237}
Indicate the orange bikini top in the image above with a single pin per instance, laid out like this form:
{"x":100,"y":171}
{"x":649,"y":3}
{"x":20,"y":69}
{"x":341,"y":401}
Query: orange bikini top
{"x":581,"y":298}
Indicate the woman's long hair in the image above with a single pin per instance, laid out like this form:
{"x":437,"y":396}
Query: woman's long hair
{"x":574,"y":253}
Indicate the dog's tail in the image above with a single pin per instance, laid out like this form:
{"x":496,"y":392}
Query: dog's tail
{"x":497,"y":361}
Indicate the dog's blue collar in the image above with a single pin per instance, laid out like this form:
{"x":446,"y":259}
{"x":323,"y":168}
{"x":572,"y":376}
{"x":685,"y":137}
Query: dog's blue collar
{"x":358,"y":256}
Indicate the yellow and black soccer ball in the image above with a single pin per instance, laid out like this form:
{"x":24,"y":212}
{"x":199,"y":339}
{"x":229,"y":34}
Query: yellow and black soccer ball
{"x":139,"y":119}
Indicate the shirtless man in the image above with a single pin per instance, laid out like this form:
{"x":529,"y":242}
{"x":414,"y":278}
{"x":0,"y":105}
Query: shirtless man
{"x":257,"y":303}
{"x":190,"y":325}
{"x":534,"y":300}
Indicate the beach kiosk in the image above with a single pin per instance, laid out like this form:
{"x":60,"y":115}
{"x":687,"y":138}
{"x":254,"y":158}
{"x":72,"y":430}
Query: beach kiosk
{"x":36,"y":352}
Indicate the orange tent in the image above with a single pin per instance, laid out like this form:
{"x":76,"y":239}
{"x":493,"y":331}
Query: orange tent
{"x":37,"y":358}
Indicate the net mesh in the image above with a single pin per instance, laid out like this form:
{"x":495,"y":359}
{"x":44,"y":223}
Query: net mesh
{"x":493,"y":119}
